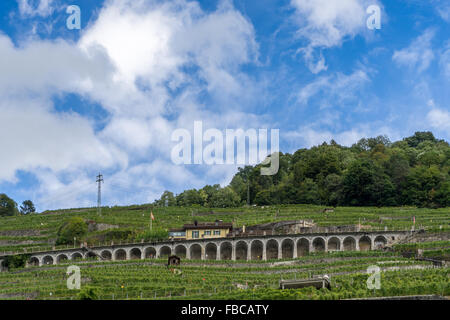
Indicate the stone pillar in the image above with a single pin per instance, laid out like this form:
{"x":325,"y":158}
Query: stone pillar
{"x":295,"y":254}
{"x":218,"y":252}
{"x":356,"y":244}
{"x":326,"y":245}
{"x":372,"y":243}
{"x":341,"y":244}
{"x":128,"y":254}
{"x":233,"y":251}
{"x":249,"y":251}
{"x":264,"y":257}
{"x":311,"y":246}
{"x":203,"y":256}
{"x":280,"y":251}
{"x":1,"y":265}
{"x":188,"y":253}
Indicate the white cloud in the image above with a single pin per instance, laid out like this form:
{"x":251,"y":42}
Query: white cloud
{"x":336,"y":89}
{"x":132,"y":61}
{"x":419,"y":54}
{"x":445,"y":61}
{"x":311,"y":136}
{"x":37,"y":138}
{"x":443,"y":9}
{"x":439,"y":119}
{"x":328,"y":23}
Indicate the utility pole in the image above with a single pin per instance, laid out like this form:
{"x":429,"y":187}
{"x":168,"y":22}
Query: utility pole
{"x":99,"y":198}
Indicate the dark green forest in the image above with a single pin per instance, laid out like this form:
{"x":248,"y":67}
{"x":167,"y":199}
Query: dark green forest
{"x":372,"y":172}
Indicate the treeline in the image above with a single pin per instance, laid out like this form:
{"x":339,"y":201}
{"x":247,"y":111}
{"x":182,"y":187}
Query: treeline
{"x":372,"y":172}
{"x":8,"y":207}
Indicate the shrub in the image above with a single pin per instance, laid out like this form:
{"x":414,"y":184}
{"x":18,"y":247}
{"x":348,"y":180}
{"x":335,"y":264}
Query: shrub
{"x":74,"y":228}
{"x":88,"y":293}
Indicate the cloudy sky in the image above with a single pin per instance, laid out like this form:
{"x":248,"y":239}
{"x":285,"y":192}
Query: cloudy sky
{"x":106,"y":98}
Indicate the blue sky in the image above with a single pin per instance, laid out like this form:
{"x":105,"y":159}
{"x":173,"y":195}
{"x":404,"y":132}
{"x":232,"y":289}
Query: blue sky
{"x":106,"y":98}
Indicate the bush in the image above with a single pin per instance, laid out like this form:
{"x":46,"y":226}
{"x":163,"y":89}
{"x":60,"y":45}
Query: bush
{"x":74,"y":228}
{"x":16,"y":261}
{"x":88,"y":293}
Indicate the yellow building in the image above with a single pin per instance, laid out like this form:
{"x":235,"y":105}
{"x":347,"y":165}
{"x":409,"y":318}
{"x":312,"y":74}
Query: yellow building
{"x":206,"y":230}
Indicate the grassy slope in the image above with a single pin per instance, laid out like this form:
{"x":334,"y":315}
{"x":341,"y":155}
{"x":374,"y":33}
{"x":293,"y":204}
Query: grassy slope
{"x":16,"y":233}
{"x":151,"y":279}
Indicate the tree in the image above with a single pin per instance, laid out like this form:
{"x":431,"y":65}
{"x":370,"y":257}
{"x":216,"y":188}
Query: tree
{"x":167,"y":199}
{"x":225,"y":197}
{"x":420,"y":137}
{"x":27,"y":207}
{"x":8,"y":207}
{"x":365,"y":184}
{"x":74,"y":228}
{"x":308,"y":193}
{"x":263,"y":198}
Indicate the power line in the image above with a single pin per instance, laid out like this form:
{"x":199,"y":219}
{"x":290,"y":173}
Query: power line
{"x":99,"y":197}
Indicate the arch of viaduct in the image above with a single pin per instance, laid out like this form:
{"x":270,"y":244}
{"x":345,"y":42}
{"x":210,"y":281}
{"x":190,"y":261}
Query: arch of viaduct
{"x":248,"y":248}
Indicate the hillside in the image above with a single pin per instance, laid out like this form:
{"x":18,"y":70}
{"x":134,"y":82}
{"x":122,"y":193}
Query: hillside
{"x":373,"y":172}
{"x":39,"y":231}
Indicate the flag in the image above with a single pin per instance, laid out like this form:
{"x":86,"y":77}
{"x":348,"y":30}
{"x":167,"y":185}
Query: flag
{"x":151,"y":215}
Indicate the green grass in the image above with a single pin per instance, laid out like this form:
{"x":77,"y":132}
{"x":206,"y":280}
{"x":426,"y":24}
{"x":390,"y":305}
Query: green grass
{"x":136,"y":219}
{"x":151,"y":279}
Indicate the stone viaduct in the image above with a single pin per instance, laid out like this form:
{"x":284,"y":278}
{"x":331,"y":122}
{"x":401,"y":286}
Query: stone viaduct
{"x":239,"y":248}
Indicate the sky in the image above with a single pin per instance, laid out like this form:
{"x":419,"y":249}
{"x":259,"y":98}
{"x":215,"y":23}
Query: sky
{"x":107,"y":97}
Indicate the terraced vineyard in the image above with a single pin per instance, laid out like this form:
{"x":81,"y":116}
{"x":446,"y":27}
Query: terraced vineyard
{"x":151,"y":279}
{"x":401,"y":273}
{"x":38,"y":232}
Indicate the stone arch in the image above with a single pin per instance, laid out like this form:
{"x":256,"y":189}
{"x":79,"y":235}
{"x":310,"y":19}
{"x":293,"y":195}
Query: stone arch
{"x":256,"y":250}
{"x":135,"y":254}
{"x":287,"y":249}
{"x":302,"y":247}
{"x":226,"y":250}
{"x":76,"y":256}
{"x":34,"y":261}
{"x":180,"y":251}
{"x":120,"y":254}
{"x":241,"y":250}
{"x":272,"y":249}
{"x":365,"y":244}
{"x":334,"y":244}
{"x":47,"y":260}
{"x":150,"y":253}
{"x":106,"y":255}
{"x":61,"y":258}
{"x":380,"y":242}
{"x":319,"y":244}
{"x":196,"y":251}
{"x":349,"y":244}
{"x":211,"y":251}
{"x":165,"y":252}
